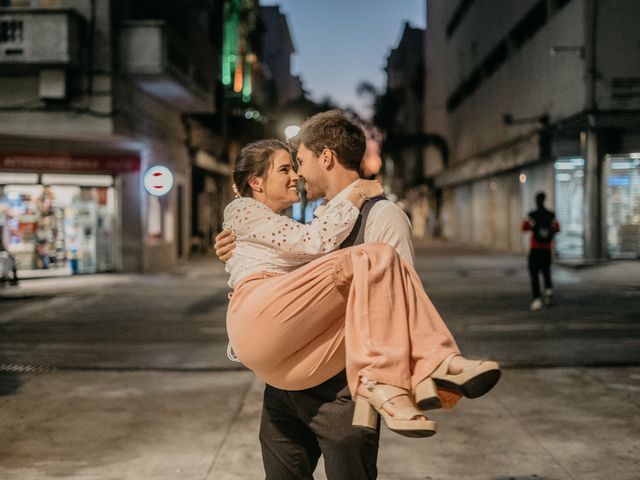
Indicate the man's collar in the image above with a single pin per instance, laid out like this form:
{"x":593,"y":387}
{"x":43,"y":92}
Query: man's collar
{"x":339,"y":197}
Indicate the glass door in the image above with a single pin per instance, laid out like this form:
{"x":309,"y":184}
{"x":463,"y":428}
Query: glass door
{"x":623,"y":205}
{"x":569,"y":202}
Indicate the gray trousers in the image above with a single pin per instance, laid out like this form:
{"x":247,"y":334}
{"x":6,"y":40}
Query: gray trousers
{"x":298,"y":426}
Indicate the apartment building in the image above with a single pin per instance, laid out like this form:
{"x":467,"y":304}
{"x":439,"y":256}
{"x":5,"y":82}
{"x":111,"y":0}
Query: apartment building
{"x":536,"y":95}
{"x":93,"y":94}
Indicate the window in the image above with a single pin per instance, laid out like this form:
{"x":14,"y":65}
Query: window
{"x":569,"y":196}
{"x":623,"y":205}
{"x":11,"y":31}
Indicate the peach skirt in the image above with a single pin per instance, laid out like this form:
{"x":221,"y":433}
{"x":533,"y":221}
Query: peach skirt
{"x":361,"y":308}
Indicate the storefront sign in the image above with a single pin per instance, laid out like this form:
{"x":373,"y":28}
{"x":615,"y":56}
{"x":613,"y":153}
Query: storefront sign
{"x":50,"y":163}
{"x":158,"y":180}
{"x":618,"y":181}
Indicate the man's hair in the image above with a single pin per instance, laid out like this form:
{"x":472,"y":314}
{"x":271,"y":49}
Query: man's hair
{"x":336,"y":132}
{"x":540,"y":198}
{"x":255,"y":159}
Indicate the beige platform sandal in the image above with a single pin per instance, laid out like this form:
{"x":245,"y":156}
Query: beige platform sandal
{"x":476,"y":379}
{"x":426,"y":395}
{"x":407,"y":421}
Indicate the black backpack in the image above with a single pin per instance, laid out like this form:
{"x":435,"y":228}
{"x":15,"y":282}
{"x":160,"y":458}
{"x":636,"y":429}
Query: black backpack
{"x":542,"y":221}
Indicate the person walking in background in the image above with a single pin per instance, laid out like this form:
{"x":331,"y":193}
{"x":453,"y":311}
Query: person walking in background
{"x":8,"y":265}
{"x":543,"y":225}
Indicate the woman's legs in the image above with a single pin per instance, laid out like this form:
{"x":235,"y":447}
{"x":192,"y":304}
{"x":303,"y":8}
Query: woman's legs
{"x":393,"y":333}
{"x":290,"y":329}
{"x":428,"y":332}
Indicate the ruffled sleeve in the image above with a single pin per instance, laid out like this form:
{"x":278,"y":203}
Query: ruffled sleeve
{"x":255,"y":223}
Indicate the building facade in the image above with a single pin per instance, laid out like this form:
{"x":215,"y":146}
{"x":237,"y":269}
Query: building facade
{"x":402,"y":104}
{"x":536,"y":95}
{"x":405,"y":86}
{"x":92,"y":95}
{"x":277,"y":49}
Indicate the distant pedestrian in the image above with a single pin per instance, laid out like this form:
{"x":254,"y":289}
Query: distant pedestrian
{"x":7,"y":265}
{"x":543,"y":225}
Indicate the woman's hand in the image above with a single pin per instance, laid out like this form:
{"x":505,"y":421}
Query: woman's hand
{"x":363,"y":190}
{"x":370,"y":188}
{"x":225,"y":245}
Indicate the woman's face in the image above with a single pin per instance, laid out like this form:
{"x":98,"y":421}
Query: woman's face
{"x":280,"y":185}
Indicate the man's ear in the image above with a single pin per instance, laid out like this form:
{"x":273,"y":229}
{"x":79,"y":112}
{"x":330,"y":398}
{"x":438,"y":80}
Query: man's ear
{"x":256,"y":184}
{"x":327,"y":159}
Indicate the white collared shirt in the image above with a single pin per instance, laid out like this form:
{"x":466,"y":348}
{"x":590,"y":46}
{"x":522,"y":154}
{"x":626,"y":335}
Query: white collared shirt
{"x":270,"y":242}
{"x":386,"y":223}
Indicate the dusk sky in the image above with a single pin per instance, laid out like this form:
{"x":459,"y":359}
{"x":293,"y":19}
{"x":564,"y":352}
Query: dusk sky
{"x":339,"y":43}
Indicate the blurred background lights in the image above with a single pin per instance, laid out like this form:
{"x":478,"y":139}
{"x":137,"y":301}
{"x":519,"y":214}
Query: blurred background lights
{"x":291,"y":131}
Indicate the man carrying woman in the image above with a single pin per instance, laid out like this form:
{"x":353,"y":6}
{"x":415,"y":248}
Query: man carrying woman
{"x":299,"y":313}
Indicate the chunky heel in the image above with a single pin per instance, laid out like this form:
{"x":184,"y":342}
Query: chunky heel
{"x":426,"y":395}
{"x":364,"y":415}
{"x":407,"y":421}
{"x":477,"y":378}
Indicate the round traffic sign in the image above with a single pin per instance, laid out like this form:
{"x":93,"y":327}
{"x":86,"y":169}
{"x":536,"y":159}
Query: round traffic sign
{"x":158,"y":180}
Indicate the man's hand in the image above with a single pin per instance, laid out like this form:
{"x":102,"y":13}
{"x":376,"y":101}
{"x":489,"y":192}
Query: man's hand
{"x":225,"y":245}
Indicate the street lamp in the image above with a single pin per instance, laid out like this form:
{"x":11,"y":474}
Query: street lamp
{"x":291,"y":131}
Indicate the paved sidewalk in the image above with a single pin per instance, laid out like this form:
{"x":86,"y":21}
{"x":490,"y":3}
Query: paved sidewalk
{"x":560,"y":424}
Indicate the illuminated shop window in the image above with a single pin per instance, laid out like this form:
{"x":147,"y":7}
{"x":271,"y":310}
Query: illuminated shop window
{"x":154,"y":218}
{"x":569,"y":196}
{"x":623,"y":206}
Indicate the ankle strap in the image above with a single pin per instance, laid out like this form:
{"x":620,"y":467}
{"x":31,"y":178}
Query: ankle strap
{"x":381,"y":394}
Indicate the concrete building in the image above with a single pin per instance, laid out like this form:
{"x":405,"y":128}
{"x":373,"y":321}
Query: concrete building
{"x":405,"y":84}
{"x":92,"y":95}
{"x":277,"y":49}
{"x":536,"y":95}
{"x":402,"y":104}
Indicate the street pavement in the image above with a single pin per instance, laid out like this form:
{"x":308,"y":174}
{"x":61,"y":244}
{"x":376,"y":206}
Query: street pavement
{"x":126,"y":377}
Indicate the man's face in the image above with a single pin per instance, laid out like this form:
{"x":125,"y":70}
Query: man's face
{"x":309,"y":170}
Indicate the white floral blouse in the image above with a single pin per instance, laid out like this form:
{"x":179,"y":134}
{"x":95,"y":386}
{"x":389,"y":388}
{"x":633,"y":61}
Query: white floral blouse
{"x":270,"y":242}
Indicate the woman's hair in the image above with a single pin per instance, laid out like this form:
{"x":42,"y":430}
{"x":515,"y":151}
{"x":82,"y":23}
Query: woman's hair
{"x":254,"y":160}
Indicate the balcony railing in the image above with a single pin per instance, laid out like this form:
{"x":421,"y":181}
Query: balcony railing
{"x":39,"y":37}
{"x":160,"y":63}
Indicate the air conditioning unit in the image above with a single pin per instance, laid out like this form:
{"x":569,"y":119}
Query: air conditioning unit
{"x":37,"y":38}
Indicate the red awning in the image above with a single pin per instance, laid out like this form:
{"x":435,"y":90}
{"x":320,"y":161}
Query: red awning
{"x":55,"y":163}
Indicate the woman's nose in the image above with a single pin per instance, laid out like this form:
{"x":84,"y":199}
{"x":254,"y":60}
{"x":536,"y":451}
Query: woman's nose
{"x":293,"y":175}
